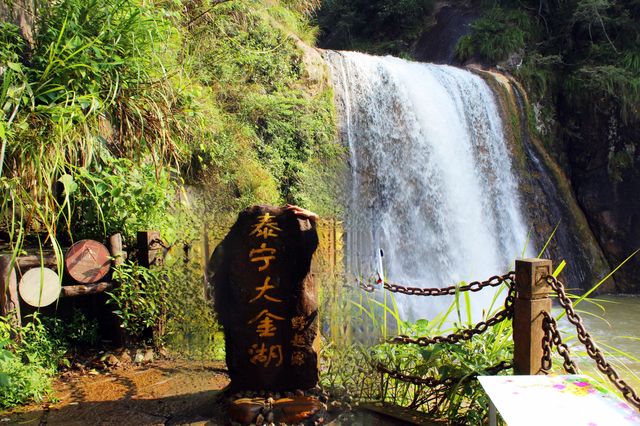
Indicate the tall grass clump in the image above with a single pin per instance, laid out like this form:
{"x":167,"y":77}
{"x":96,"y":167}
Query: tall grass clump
{"x":88,"y":86}
{"x":217,"y":93}
{"x":359,"y":344}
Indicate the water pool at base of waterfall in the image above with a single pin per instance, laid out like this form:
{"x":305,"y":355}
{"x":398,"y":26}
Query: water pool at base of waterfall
{"x":617,"y":328}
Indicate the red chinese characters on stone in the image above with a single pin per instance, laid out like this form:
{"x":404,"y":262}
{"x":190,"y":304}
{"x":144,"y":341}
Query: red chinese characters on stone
{"x":265,"y":321}
{"x":262,"y":292}
{"x":263,"y":254}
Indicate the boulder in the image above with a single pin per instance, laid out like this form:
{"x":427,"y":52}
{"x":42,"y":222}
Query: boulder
{"x":266,"y":300}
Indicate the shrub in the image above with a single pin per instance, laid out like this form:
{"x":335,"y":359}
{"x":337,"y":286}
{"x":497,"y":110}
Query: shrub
{"x":26,"y":368}
{"x":499,"y":33}
{"x":119,"y":196}
{"x":142,"y":300}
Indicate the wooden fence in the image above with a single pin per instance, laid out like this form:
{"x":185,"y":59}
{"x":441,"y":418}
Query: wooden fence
{"x":13,"y":270}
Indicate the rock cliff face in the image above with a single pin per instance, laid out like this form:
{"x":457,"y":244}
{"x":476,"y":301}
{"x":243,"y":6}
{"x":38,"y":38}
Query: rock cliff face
{"x":602,"y":157}
{"x":547,"y":195}
{"x":438,"y":43}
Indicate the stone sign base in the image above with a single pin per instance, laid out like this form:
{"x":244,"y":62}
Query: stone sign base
{"x":293,"y":410}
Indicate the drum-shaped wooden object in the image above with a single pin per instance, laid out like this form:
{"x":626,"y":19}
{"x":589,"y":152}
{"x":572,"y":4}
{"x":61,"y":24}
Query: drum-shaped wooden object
{"x":87,"y":261}
{"x":39,"y":287}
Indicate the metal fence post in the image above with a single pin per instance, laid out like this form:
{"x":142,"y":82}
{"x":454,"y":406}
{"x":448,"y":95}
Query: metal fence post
{"x":532,"y":298}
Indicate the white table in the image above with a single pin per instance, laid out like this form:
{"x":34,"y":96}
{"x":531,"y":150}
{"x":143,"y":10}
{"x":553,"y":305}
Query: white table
{"x":573,"y":400}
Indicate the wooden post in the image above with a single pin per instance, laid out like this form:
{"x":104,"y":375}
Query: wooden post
{"x":9,"y":302}
{"x":532,"y":298}
{"x":82,"y":289}
{"x":149,"y":249}
{"x":25,"y":263}
{"x":119,"y":255}
{"x":115,"y":248}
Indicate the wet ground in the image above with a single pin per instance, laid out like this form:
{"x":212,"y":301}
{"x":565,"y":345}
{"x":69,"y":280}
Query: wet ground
{"x":165,"y":392}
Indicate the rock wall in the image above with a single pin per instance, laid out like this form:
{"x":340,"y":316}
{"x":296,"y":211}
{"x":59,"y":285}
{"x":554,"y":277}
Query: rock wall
{"x":547,"y":195}
{"x":602,"y":153}
{"x":438,"y":43}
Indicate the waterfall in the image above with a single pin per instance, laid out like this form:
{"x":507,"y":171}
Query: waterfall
{"x":432,"y":186}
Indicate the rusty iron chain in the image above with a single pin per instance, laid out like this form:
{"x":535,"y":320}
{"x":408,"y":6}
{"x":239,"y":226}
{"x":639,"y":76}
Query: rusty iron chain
{"x":447,"y":381}
{"x":494,"y":281}
{"x":552,"y":337}
{"x":466,"y":333}
{"x":547,"y":340}
{"x":592,"y":350}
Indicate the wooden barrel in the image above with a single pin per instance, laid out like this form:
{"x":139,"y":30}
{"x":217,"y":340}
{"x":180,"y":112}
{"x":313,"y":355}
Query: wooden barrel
{"x":39,"y":287}
{"x":87,"y":261}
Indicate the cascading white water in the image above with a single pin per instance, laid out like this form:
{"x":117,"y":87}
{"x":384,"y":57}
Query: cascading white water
{"x":431,"y":178}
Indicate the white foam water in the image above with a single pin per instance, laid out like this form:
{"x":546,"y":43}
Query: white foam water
{"x":432,"y":185}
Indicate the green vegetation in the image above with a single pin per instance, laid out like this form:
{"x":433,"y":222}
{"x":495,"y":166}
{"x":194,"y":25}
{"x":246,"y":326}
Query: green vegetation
{"x":142,"y":299}
{"x":20,"y":381}
{"x":122,"y":116}
{"x":32,"y":354}
{"x":499,"y":33}
{"x":591,"y":46}
{"x":114,"y":102}
{"x":579,"y":59}
{"x":380,"y":26}
{"x":356,"y":344}
{"x":191,"y":331}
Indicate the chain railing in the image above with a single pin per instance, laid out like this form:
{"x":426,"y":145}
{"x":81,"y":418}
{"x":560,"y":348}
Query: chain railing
{"x":467,"y":333}
{"x":474,"y":286}
{"x":453,"y":338}
{"x":551,"y":337}
{"x":592,"y":350}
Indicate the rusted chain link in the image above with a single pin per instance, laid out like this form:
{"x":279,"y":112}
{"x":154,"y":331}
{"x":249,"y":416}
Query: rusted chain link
{"x":552,"y":337}
{"x":494,"y":281}
{"x":592,"y":350}
{"x":547,"y":340}
{"x":467,"y":333}
{"x":433,"y":382}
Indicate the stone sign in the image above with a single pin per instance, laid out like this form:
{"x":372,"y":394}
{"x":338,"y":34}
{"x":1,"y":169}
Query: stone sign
{"x":266,"y":300}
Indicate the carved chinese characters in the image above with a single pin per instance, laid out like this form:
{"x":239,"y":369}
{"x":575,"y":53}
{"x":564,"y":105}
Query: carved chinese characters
{"x":266,"y":300}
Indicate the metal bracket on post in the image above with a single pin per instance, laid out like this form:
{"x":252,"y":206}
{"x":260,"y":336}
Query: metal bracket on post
{"x":532,"y":299}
